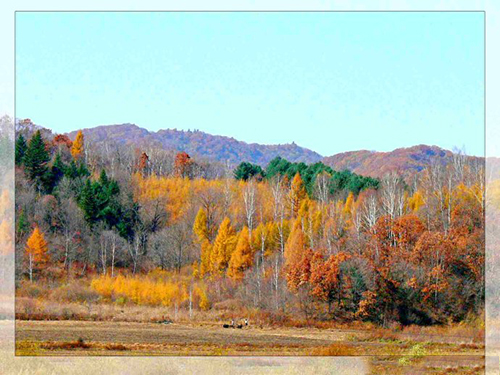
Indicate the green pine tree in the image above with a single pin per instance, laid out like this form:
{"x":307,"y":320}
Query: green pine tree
{"x":23,"y":225}
{"x":21,"y":147}
{"x":72,"y":170}
{"x":83,"y":170}
{"x":87,"y":202}
{"x":55,"y":174}
{"x":36,"y":159}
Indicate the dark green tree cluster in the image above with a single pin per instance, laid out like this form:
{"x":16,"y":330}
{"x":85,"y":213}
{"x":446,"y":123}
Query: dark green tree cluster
{"x":339,"y":181}
{"x":280,"y":166}
{"x":21,"y":147}
{"x":99,"y":201}
{"x":348,"y":181}
{"x":247,"y":170}
{"x":35,"y":157}
{"x":129,"y":220}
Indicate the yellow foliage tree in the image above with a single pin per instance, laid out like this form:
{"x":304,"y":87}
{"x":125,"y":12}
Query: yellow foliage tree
{"x":173,"y":192}
{"x":272,"y":238}
{"x":242,"y":257}
{"x":37,"y":251}
{"x":200,"y":226}
{"x":416,"y":201}
{"x":297,"y":194}
{"x":77,"y":147}
{"x":200,"y":230}
{"x":295,"y":245}
{"x":265,"y":238}
{"x":203,"y":301}
{"x":205,"y":258}
{"x":348,"y":204}
{"x":223,"y":247}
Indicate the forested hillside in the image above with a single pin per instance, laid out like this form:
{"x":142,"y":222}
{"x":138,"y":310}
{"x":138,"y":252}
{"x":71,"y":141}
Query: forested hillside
{"x":404,"y":161}
{"x":199,"y":144}
{"x":155,"y":227}
{"x":224,"y":150}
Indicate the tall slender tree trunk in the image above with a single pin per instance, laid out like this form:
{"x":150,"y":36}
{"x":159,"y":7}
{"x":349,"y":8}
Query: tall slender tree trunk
{"x":191,"y":302}
{"x":113,"y":249}
{"x":31,"y":267}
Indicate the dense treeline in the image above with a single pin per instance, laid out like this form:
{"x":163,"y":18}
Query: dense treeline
{"x":293,"y":238}
{"x":338,"y":181}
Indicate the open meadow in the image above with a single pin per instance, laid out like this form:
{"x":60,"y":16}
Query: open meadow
{"x":458,"y":350}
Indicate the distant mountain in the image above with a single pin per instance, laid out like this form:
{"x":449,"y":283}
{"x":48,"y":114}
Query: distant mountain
{"x":200,"y":144}
{"x":220,"y":148}
{"x":376,"y":164}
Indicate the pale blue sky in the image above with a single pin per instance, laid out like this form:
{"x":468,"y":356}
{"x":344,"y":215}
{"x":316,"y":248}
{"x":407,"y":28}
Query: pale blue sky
{"x":331,"y":82}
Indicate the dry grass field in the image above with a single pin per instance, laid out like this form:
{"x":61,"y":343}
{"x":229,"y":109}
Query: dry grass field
{"x":389,"y":352}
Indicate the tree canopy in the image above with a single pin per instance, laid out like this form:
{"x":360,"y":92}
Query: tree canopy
{"x":344,"y":181}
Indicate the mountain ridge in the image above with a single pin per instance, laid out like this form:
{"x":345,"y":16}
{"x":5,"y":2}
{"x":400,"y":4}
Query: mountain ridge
{"x":199,"y":144}
{"x":218,"y":147}
{"x":377,"y":163}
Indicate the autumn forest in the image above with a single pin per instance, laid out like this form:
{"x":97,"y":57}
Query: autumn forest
{"x":110,"y":224}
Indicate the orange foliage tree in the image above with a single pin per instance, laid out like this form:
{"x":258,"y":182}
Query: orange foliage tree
{"x":326,"y":278}
{"x":183,"y":165}
{"x":223,"y":248}
{"x":297,"y":194}
{"x":242,"y":257}
{"x":36,"y":250}
{"x":295,"y":246}
{"x":77,"y":146}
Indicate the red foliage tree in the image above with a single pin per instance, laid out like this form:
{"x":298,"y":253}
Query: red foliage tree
{"x":325,"y":278}
{"x":183,"y":165}
{"x":143,"y":163}
{"x":62,"y":140}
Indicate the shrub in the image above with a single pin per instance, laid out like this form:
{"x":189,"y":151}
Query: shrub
{"x":74,"y":292}
{"x":337,"y":349}
{"x":112,"y":346}
{"x":78,"y":344}
{"x":417,"y":351}
{"x":32,"y":290}
{"x":152,"y":290}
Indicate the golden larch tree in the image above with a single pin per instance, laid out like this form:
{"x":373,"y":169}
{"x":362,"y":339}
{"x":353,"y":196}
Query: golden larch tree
{"x":295,"y":246}
{"x":242,"y":257}
{"x":37,"y":251}
{"x":200,"y":228}
{"x":77,"y":147}
{"x":416,"y":201}
{"x":205,"y":257}
{"x":223,"y":247}
{"x":297,"y":194}
{"x":349,"y":204}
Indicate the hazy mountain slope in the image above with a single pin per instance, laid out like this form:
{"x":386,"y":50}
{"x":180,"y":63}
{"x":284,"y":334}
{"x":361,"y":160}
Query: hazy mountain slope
{"x":200,"y":144}
{"x":220,"y":148}
{"x":376,"y":164}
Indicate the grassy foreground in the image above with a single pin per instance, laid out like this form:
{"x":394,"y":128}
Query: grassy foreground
{"x":390,"y":352}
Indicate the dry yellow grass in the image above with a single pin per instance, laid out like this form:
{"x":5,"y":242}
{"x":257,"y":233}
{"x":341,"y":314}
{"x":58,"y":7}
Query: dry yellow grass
{"x":336,"y":349}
